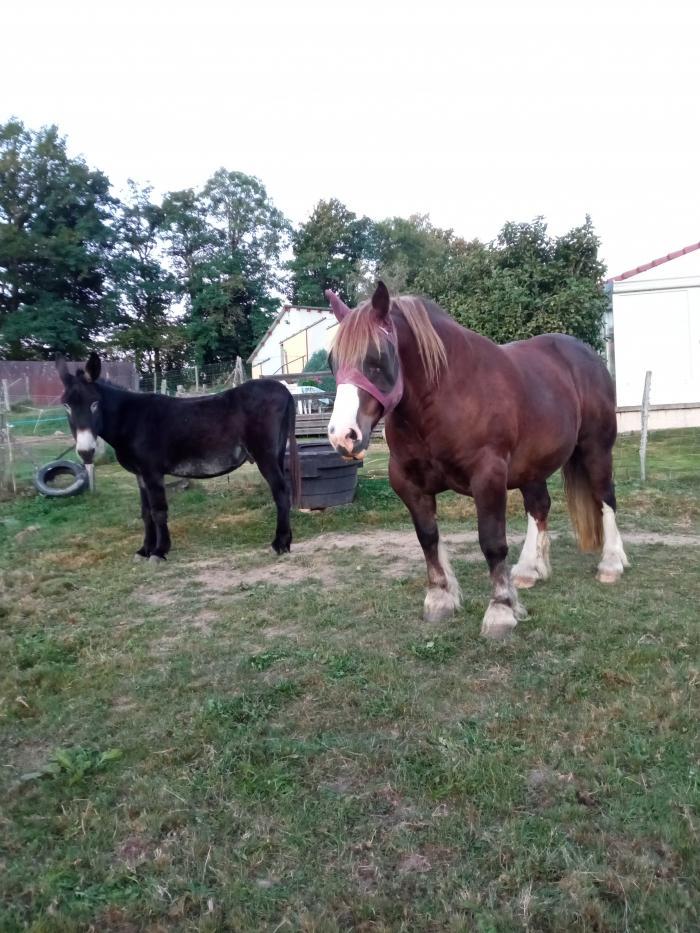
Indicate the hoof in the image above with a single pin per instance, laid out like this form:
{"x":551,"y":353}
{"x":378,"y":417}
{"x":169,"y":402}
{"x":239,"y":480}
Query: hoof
{"x":524,"y":583}
{"x":499,"y":621}
{"x":138,"y":558}
{"x":154,"y":559}
{"x":281,"y":548}
{"x":607,"y":576}
{"x":439,"y":604}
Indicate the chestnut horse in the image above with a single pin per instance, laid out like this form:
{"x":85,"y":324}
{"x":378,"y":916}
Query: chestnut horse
{"x":465,"y":414}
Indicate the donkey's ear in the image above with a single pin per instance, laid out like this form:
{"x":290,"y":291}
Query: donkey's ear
{"x":338,"y":306}
{"x":381,"y":300}
{"x":93,"y":367}
{"x":62,"y":368}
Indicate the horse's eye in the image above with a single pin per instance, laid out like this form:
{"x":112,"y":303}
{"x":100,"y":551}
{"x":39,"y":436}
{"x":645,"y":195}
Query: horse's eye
{"x":94,"y":407}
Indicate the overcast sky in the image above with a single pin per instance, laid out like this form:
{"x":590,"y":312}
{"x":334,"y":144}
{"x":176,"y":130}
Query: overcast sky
{"x":474,"y":112}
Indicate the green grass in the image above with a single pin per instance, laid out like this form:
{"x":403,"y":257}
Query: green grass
{"x":222,"y":746}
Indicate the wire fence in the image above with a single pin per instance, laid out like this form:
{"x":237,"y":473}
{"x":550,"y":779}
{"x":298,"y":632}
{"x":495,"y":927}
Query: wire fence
{"x":33,"y":434}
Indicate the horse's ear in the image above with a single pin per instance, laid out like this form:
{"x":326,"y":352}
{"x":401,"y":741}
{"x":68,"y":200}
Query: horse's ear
{"x":93,"y":367}
{"x":62,"y":368}
{"x":381,"y":300}
{"x":338,"y":306}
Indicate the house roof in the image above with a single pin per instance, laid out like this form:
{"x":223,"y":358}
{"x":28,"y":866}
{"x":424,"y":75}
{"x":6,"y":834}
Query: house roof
{"x":654,"y":263}
{"x":276,"y":322}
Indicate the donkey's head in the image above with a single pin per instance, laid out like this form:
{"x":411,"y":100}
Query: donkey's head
{"x":81,"y":399}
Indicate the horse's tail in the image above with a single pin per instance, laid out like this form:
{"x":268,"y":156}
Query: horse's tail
{"x":585,"y":512}
{"x":294,"y":470}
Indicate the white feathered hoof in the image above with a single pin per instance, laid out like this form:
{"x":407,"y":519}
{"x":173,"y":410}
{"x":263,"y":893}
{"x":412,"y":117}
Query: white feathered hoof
{"x":499,"y":621}
{"x":522,"y":580}
{"x":439,"y":604}
{"x":156,"y":561}
{"x":610,"y":571}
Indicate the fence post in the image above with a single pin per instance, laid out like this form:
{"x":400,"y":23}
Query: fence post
{"x":645,"y":423}
{"x":26,"y":389}
{"x":8,"y":471}
{"x":238,"y":372}
{"x":196,"y":377}
{"x":164,"y":386}
{"x":6,"y":394}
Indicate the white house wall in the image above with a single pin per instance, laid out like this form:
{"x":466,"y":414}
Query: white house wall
{"x":657,"y":328}
{"x":319,"y":325}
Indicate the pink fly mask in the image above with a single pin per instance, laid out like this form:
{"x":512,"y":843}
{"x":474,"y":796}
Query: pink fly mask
{"x":353,"y":375}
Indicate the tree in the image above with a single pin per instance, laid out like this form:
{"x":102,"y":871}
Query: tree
{"x":525,"y":283}
{"x":54,"y":246}
{"x":225,"y":243}
{"x":406,"y":249}
{"x":318,"y":363}
{"x":146,"y":288}
{"x":330,"y":251}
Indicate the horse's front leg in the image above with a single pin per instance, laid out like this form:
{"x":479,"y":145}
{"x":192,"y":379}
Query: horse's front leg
{"x":155,"y":491}
{"x":149,"y":529}
{"x":443,"y":596}
{"x":490,"y":496}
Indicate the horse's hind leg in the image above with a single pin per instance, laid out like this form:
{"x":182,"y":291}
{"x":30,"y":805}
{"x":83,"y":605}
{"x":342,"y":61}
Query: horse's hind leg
{"x":599,"y":466}
{"x":533,"y":563}
{"x":443,"y":596}
{"x":490,"y":496}
{"x":273,"y":473}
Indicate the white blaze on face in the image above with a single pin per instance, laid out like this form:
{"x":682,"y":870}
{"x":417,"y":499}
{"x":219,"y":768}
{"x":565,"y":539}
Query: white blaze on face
{"x":344,"y":417}
{"x":85,"y":442}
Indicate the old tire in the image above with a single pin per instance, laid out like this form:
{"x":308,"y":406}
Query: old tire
{"x":46,"y":474}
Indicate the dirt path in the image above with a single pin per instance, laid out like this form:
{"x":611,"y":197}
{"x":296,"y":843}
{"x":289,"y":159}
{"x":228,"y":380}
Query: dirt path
{"x":398,"y":555}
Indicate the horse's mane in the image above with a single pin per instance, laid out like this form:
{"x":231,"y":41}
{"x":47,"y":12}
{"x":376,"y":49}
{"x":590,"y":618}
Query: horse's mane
{"x":359,"y":330}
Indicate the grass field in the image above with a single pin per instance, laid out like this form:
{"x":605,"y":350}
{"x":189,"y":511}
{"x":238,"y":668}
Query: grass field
{"x":243,"y":742}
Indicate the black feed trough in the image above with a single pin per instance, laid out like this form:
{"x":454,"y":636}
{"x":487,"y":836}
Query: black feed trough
{"x":326,"y":478}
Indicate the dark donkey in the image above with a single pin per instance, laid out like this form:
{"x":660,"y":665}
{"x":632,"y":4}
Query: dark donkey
{"x":465,"y":414}
{"x":153,"y":435}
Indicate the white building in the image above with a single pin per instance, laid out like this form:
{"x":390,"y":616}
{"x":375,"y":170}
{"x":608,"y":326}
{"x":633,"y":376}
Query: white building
{"x":655,"y":325}
{"x":292,"y":338}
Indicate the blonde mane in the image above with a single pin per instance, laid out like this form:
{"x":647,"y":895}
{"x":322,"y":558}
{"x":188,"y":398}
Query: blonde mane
{"x":359,"y":331}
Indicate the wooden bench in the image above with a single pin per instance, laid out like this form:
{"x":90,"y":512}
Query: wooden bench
{"x":316,"y":425}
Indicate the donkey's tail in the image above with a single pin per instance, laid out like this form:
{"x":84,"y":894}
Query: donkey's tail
{"x":294,"y":470}
{"x":585,"y":512}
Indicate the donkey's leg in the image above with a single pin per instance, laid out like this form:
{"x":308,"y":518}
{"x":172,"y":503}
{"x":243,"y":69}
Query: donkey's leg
{"x":443,"y":596}
{"x":149,"y":529}
{"x":490,"y":496}
{"x":598,"y":464}
{"x":533,"y":563}
{"x":270,"y":468}
{"x":155,"y":490}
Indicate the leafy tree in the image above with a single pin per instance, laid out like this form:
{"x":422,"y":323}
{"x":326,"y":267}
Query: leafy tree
{"x":318,"y":363}
{"x":146,"y":288}
{"x":525,"y":283}
{"x":405,"y":248}
{"x":54,"y":246}
{"x":225,"y":243}
{"x":330,"y":251}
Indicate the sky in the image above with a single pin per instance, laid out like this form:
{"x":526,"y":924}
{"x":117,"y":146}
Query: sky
{"x":476,"y":112}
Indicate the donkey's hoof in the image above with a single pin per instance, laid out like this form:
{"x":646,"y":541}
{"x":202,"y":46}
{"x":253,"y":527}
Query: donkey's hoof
{"x":156,"y":560}
{"x":139,"y":557}
{"x":499,"y":621}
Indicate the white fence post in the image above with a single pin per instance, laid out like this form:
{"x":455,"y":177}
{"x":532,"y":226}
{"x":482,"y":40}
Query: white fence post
{"x":645,"y":423}
{"x":6,"y":393}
